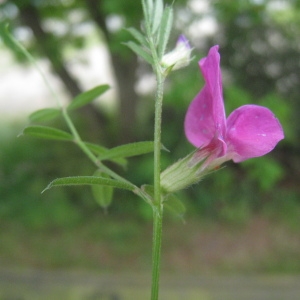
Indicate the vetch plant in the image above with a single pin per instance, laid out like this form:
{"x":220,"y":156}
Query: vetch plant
{"x":249,"y":131}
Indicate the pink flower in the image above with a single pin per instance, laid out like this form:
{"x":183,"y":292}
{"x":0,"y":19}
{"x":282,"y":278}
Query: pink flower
{"x":249,"y":131}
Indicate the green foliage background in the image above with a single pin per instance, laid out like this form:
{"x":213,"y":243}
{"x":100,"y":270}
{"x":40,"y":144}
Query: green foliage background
{"x":260,"y":61}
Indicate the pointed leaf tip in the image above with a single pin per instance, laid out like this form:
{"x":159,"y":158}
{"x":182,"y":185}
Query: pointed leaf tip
{"x":46,"y":132}
{"x":90,"y":180}
{"x":88,"y":96}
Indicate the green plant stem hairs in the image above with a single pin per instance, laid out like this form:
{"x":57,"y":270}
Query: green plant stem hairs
{"x":158,"y":204}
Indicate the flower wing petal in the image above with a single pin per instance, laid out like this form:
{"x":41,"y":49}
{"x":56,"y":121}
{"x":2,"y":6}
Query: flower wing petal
{"x":205,"y":118}
{"x":252,"y":131}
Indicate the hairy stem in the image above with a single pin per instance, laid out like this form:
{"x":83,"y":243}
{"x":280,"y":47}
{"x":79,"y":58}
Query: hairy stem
{"x":156,"y":250}
{"x":157,"y":205}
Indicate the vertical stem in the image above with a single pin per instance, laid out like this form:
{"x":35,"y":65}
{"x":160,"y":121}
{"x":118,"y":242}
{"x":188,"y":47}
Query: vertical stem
{"x":156,"y":251}
{"x":157,"y":206}
{"x":157,"y":137}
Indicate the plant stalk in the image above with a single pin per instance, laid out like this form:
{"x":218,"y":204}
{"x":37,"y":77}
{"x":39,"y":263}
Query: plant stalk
{"x":157,"y":205}
{"x":156,"y":250}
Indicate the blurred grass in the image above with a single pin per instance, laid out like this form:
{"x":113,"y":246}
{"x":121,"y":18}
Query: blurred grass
{"x":231,"y":224}
{"x":108,"y":242}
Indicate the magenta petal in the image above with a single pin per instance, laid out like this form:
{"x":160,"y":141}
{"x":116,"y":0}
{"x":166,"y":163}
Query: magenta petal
{"x":199,"y":125}
{"x":210,"y":67}
{"x":205,"y":118}
{"x":252,"y":131}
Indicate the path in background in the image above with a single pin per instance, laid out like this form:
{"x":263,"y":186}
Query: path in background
{"x":34,"y":285}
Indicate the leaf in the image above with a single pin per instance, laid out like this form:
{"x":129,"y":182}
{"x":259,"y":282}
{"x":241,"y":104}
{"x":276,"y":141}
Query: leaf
{"x":140,"y":52}
{"x":149,"y":189}
{"x":138,"y":36}
{"x":88,"y":96}
{"x":96,"y":149}
{"x":149,"y":5}
{"x":90,"y":180}
{"x":174,"y":205}
{"x":165,"y":30}
{"x":100,"y":150}
{"x":147,"y":9}
{"x":46,"y":132}
{"x":103,"y":194}
{"x":128,"y":150}
{"x":157,"y":15}
{"x":45,"y":114}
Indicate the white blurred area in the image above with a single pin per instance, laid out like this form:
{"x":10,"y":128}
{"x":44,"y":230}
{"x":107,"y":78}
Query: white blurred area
{"x":23,"y":90}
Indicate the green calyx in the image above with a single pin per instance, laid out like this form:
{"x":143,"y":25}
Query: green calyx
{"x":185,"y":172}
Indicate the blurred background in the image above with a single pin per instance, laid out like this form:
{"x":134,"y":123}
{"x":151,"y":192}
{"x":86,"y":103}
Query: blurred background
{"x":243,"y":219}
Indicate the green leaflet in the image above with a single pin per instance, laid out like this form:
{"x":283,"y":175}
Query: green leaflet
{"x":158,"y":10}
{"x":138,"y":36}
{"x":165,"y":30}
{"x":174,"y":205}
{"x":140,"y":52}
{"x":103,"y":194}
{"x":90,"y":180}
{"x":88,"y":96}
{"x":45,"y":114}
{"x":147,"y":9}
{"x":128,"y":150}
{"x":46,"y":132}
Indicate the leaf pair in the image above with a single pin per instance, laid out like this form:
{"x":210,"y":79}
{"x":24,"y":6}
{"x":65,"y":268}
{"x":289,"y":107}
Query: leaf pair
{"x":116,"y":154}
{"x":84,"y":98}
{"x":153,"y":12}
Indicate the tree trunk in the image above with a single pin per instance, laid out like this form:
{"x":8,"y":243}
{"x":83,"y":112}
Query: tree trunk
{"x":30,"y":17}
{"x":50,"y":48}
{"x":125,"y":72}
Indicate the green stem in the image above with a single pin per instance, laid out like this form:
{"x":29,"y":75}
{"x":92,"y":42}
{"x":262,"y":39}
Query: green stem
{"x":157,"y":205}
{"x":78,"y":140}
{"x":157,"y":138}
{"x":96,"y":161}
{"x":156,"y":250}
{"x":86,"y":150}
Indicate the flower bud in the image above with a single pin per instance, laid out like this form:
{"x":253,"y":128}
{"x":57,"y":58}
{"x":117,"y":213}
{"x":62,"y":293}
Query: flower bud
{"x":179,"y":57}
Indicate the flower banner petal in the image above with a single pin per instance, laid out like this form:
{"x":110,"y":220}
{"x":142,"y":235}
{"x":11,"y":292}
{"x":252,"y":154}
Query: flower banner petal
{"x":199,"y":124}
{"x":205,"y":118}
{"x":210,"y":67}
{"x":252,"y":131}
